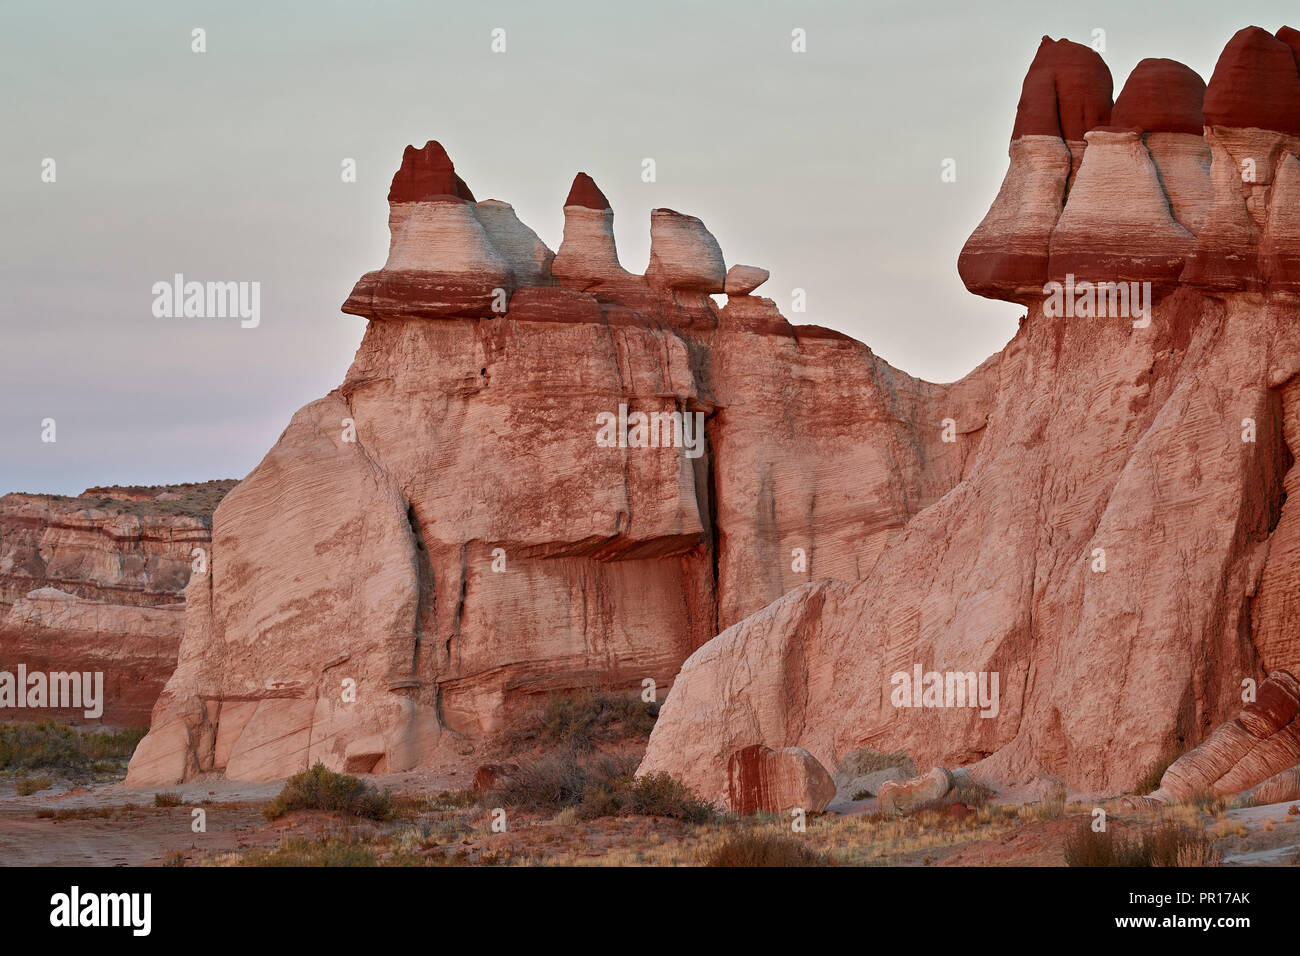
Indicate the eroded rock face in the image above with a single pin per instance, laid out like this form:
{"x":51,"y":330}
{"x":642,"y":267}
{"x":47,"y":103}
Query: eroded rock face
{"x":94,"y":584}
{"x":457,"y":529}
{"x":1119,"y":552}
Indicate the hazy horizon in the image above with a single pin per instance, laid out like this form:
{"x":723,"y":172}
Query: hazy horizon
{"x":823,"y":167}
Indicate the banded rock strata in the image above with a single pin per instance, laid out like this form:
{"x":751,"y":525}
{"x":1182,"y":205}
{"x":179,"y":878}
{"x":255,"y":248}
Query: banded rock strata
{"x":1121,"y":549}
{"x":444,"y":534}
{"x":95,"y":583}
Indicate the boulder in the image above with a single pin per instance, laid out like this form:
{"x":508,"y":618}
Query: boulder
{"x":742,"y":280}
{"x":762,"y":780}
{"x":684,"y":254}
{"x":901,"y":797}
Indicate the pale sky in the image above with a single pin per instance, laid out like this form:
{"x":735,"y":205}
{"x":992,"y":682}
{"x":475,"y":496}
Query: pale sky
{"x":823,"y":167}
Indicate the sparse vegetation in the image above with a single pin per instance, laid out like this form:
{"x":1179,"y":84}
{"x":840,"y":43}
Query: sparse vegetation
{"x":1150,"y":780}
{"x":296,"y":851}
{"x":1164,"y":843}
{"x":322,"y":789}
{"x":582,"y":720}
{"x":974,"y":795}
{"x":26,"y":785}
{"x":560,"y":780}
{"x":749,"y":847}
{"x":1207,"y":802}
{"x":48,"y":744}
{"x":167,"y":799}
{"x":654,"y":795}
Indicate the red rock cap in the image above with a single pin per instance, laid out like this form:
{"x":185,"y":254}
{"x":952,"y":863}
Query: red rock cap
{"x":1256,"y":82}
{"x":1066,"y":92}
{"x":427,"y":175}
{"x":585,"y":192}
{"x":1161,"y":96}
{"x":1292,"y":39}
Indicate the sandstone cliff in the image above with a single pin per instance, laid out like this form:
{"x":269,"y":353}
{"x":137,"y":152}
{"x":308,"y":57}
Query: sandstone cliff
{"x":95,"y":583}
{"x":1121,"y":550}
{"x":477,"y":517}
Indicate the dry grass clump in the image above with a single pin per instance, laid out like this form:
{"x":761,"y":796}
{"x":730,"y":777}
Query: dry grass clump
{"x":27,"y":785}
{"x":297,"y":852}
{"x":749,"y":847}
{"x":1165,"y":843}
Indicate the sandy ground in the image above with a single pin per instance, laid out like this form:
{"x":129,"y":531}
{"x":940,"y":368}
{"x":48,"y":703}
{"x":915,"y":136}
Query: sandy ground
{"x":109,"y":824}
{"x":137,"y":833}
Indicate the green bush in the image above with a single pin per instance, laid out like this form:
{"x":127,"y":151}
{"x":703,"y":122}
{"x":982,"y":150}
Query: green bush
{"x":322,"y":789}
{"x":27,"y":746}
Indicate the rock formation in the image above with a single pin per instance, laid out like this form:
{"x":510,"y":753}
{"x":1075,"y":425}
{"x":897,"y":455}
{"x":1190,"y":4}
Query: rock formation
{"x":1060,"y":567}
{"x":1121,"y":551}
{"x":95,"y":583}
{"x":540,"y":473}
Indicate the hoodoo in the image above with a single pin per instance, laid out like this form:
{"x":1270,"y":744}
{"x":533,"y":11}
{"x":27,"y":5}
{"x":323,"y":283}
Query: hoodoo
{"x":1122,"y":547}
{"x":445,"y":534}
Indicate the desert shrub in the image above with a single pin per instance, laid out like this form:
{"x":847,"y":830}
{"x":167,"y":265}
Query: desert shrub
{"x":1167,"y":843}
{"x":756,"y":848}
{"x":27,"y":746}
{"x":26,"y":785}
{"x":578,"y":720}
{"x":322,"y":789}
{"x":560,"y":780}
{"x":654,"y":795}
{"x":1150,"y":779}
{"x":174,"y":858}
{"x":167,"y":799}
{"x":298,"y":851}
